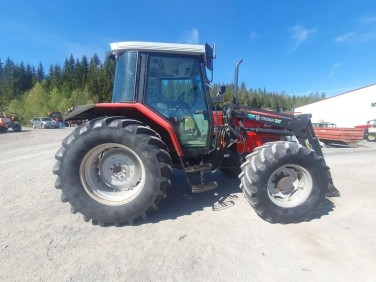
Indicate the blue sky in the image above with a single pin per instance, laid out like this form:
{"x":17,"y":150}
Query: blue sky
{"x":293,"y":46}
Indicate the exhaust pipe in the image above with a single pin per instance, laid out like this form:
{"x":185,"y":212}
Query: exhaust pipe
{"x":236,"y":83}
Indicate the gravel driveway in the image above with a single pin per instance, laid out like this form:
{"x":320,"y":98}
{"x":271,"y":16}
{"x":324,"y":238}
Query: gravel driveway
{"x":214,"y":236}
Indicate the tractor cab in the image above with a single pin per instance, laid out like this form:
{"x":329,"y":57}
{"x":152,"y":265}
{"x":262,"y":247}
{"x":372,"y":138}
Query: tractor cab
{"x":171,"y":80}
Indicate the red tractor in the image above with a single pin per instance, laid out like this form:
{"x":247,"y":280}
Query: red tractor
{"x":56,"y":116}
{"x":9,"y":121}
{"x":116,"y":168}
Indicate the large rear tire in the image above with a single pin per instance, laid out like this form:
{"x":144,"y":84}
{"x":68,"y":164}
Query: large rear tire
{"x":113,"y":170}
{"x":284,"y":182}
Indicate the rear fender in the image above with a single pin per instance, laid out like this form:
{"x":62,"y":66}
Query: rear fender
{"x":135,"y":111}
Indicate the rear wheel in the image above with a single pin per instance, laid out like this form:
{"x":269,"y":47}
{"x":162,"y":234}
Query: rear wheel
{"x":113,"y":170}
{"x":284,"y":182}
{"x":16,"y":127}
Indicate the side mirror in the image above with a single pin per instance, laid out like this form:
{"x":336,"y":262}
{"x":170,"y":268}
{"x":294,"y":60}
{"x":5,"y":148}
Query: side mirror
{"x":112,"y":57}
{"x":209,"y":56}
{"x":221,"y":90}
{"x":219,"y":97}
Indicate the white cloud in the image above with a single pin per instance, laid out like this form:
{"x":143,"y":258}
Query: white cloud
{"x":366,"y":20}
{"x":333,"y":69}
{"x":299,"y":34}
{"x":353,"y":37}
{"x":364,"y":31}
{"x":368,"y":36}
{"x":191,"y":36}
{"x":348,"y":37}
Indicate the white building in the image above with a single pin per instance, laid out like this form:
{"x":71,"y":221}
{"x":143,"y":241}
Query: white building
{"x":346,"y":110}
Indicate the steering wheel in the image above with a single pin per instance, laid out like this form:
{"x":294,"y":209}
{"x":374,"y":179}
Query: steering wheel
{"x":179,"y":107}
{"x":180,"y":100}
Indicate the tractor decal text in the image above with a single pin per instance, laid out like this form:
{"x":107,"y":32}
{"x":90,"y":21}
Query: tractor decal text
{"x":262,"y":118}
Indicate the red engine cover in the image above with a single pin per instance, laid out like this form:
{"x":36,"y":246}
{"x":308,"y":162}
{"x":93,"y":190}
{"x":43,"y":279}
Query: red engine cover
{"x":254,"y":139}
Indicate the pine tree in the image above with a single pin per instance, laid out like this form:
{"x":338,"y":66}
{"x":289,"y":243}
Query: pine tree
{"x":40,"y":73}
{"x":68,"y":74}
{"x":94,"y":78}
{"x":1,"y":69}
{"x":108,"y":75}
{"x":81,"y":72}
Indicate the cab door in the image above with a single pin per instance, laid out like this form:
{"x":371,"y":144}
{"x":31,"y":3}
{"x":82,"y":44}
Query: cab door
{"x":175,"y":90}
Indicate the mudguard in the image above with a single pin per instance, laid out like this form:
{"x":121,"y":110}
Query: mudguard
{"x":130,"y":110}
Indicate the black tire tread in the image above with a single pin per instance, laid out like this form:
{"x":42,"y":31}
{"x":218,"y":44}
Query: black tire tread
{"x":254,"y":186}
{"x":139,"y":130}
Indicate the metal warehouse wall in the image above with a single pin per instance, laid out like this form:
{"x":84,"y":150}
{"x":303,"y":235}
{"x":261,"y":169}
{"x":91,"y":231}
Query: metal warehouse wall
{"x":346,"y":110}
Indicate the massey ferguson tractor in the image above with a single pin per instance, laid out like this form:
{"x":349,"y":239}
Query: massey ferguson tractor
{"x":116,"y":168}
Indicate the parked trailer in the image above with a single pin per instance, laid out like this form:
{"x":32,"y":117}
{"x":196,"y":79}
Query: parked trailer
{"x":339,"y":135}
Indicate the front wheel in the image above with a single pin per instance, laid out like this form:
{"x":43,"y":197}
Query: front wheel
{"x":284,"y":182}
{"x":113,"y":170}
{"x":371,"y":137}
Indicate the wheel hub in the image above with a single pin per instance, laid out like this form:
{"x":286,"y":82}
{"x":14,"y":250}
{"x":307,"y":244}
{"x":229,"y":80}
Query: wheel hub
{"x":112,"y":173}
{"x":118,"y":171}
{"x":289,"y":185}
{"x":284,"y":183}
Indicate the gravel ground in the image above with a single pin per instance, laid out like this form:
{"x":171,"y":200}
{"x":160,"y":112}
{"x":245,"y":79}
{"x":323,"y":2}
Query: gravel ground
{"x":214,"y":236}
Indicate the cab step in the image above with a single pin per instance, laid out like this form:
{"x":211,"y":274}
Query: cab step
{"x":203,"y":187}
{"x":198,"y":168}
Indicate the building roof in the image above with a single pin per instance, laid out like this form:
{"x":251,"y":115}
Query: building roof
{"x":345,"y":93}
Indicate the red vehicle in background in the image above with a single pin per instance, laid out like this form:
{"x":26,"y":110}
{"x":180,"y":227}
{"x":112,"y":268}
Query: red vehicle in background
{"x":56,"y":116}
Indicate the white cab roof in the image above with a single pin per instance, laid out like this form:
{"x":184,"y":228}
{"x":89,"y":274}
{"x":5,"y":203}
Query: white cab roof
{"x":190,"y":49}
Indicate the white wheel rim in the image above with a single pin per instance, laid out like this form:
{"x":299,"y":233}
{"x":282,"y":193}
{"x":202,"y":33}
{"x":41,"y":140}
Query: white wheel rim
{"x":289,"y":186}
{"x":112,"y":174}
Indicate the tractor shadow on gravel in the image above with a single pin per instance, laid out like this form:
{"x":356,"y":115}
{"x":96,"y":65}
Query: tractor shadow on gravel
{"x":180,"y":200}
